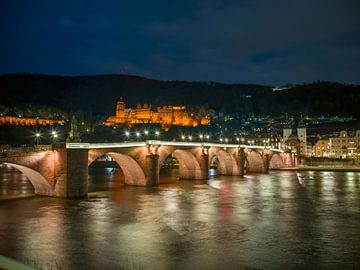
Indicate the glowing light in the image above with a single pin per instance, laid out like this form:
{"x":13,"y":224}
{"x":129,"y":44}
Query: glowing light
{"x":146,"y":132}
{"x":183,"y":137}
{"x":207,"y":137}
{"x":226,"y":140}
{"x":157,"y":133}
{"x":37,"y":135}
{"x":137,"y":134}
{"x":221,"y":139}
{"x":237,"y":139}
{"x":201,"y":136}
{"x":127,"y":133}
{"x":190,"y":138}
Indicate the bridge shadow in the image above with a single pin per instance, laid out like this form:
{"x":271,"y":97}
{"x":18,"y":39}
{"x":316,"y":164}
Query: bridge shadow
{"x":169,"y":171}
{"x":14,"y":184}
{"x":104,"y":174}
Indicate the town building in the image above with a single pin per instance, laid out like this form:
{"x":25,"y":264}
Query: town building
{"x":345,"y":146}
{"x":322,"y":148}
{"x":166,"y":116}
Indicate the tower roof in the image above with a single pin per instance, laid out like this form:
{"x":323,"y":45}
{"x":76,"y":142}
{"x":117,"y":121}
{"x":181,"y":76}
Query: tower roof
{"x":301,"y":123}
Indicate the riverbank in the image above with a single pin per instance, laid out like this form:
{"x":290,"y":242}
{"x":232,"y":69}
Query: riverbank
{"x":323,"y":168}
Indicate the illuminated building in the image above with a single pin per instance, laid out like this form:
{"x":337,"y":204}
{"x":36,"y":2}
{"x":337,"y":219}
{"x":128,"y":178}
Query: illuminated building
{"x":20,"y":121}
{"x":322,"y":148}
{"x":345,"y":146}
{"x":166,"y":116}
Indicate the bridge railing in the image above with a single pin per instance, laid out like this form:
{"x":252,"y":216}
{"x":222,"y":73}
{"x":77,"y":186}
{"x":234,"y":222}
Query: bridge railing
{"x":167,"y":143}
{"x":13,"y":151}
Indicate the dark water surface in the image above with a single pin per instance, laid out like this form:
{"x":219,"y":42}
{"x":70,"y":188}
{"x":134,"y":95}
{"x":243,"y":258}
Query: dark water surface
{"x":257,"y":221}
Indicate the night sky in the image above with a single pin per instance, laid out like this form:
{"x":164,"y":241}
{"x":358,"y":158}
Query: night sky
{"x":243,"y":41}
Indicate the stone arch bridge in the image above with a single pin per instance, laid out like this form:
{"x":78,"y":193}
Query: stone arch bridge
{"x":63,"y":171}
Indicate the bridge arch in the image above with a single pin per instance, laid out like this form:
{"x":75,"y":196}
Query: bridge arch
{"x":255,"y":162}
{"x":276,"y":162}
{"x":189,"y":167}
{"x":227,"y":164}
{"x":287,"y":159}
{"x":134,"y":174}
{"x":41,"y":186}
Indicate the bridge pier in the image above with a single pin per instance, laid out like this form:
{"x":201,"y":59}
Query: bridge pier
{"x":266,"y":161}
{"x":204,"y":165}
{"x":77,"y":173}
{"x":240,"y":158}
{"x":151,"y":170}
{"x":71,"y":172}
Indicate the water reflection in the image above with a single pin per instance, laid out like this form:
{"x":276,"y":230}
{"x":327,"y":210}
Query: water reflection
{"x":254,"y":221}
{"x":14,"y":183}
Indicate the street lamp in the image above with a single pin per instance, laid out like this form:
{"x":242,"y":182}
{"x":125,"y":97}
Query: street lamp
{"x":54,"y":135}
{"x":37,"y":138}
{"x":146,"y":132}
{"x":190,"y":138}
{"x":182,"y":137}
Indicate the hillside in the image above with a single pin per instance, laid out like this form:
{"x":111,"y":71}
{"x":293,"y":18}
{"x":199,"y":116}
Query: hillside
{"x":98,"y":94}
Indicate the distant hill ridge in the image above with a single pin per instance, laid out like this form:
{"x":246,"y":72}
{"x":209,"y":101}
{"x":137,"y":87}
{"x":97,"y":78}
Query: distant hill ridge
{"x":98,"y":94}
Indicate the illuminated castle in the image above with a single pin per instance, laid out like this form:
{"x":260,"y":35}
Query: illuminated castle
{"x":166,"y":116}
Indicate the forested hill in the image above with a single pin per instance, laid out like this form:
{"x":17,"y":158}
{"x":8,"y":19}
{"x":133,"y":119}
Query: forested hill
{"x":98,"y":94}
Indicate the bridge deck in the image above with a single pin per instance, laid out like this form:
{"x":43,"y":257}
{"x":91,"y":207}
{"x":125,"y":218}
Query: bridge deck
{"x":167,"y":143}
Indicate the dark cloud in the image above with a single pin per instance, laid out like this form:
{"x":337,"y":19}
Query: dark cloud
{"x":270,"y":42}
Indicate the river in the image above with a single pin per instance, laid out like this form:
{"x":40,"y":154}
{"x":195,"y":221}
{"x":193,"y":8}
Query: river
{"x":269,"y":221}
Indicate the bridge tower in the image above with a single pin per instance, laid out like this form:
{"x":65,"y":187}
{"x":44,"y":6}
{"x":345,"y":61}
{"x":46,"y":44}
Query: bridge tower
{"x":301,"y":132}
{"x":287,"y":131}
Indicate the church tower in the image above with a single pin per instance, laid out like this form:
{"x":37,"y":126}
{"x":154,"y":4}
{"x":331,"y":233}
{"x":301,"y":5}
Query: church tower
{"x":301,"y":133}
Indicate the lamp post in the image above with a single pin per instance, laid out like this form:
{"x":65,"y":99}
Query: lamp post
{"x":37,"y":138}
{"x":54,"y":135}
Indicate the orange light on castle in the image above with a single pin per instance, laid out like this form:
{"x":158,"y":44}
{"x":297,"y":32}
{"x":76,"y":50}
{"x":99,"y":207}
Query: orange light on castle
{"x":19,"y":121}
{"x":166,"y":116}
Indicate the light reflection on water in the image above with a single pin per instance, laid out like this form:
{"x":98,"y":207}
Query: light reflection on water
{"x":230,"y":222}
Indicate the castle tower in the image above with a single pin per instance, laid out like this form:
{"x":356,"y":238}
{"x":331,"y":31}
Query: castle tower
{"x":301,"y":133}
{"x":120,"y":108}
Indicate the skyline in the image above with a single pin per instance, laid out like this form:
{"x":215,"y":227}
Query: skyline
{"x":233,"y":42}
